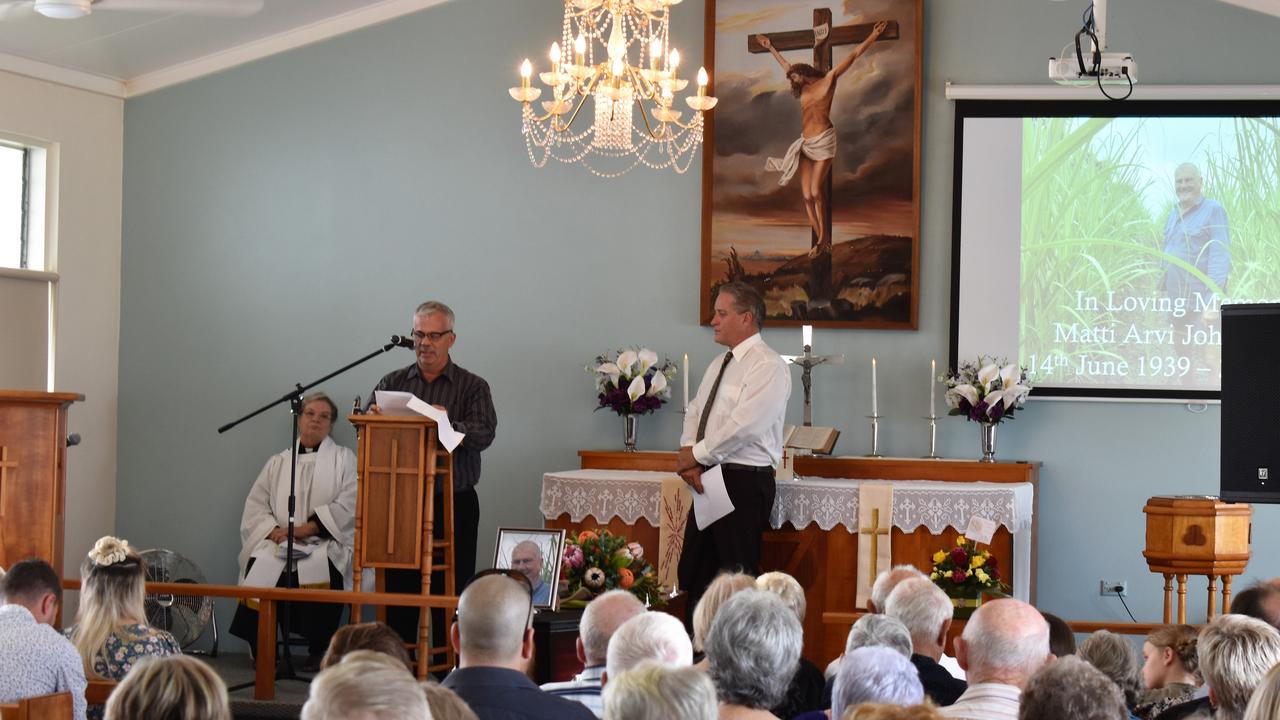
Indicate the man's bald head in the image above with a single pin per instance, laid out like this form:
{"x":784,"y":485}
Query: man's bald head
{"x":601,"y":620}
{"x":886,"y":582}
{"x":493,"y":617}
{"x":1005,"y":641}
{"x":526,"y":557}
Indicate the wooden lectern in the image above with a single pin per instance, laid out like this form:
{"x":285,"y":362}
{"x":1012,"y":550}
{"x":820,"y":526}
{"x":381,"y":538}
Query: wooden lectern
{"x":33,"y":483}
{"x":1196,"y":535}
{"x":400,"y":462}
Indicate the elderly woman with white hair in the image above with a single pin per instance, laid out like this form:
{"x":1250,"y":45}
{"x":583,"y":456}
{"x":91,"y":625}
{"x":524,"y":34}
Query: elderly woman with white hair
{"x":876,"y":675}
{"x":652,"y":691}
{"x":752,"y":650}
{"x":805,"y":692}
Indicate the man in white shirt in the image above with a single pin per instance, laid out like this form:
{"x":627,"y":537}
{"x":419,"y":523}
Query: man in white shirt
{"x":1003,"y":645}
{"x":35,"y":659}
{"x":600,"y":621}
{"x":734,"y":421}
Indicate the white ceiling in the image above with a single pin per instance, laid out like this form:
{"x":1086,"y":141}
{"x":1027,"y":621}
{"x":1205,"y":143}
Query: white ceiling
{"x":127,"y":53}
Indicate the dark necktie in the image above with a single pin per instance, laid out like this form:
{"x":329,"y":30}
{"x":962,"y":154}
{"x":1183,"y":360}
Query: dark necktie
{"x":711,"y":399}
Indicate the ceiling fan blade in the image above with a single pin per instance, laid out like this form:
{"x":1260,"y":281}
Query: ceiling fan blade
{"x":1267,"y":7}
{"x":220,"y":8}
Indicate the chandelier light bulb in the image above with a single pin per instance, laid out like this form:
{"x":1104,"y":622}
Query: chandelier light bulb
{"x":617,"y":45}
{"x":580,"y":45}
{"x":555,"y":54}
{"x":526,"y":70}
{"x":618,"y":68}
{"x":655,"y":52}
{"x":702,"y":82}
{"x":673,"y":61}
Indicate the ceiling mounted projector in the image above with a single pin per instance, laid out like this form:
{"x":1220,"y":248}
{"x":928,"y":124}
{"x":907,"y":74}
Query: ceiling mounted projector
{"x":1091,"y":64}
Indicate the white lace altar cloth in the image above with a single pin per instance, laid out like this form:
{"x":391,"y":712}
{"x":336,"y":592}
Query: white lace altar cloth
{"x":826,"y":502}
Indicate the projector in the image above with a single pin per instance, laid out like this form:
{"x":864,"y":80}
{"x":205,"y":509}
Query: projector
{"x":1115,"y":68}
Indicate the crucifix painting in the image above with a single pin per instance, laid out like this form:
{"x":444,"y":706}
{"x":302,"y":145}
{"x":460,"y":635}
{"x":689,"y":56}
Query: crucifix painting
{"x":811,"y":175}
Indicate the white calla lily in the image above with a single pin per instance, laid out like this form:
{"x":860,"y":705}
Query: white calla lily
{"x":626,"y":360}
{"x":988,"y":375}
{"x":968,"y":392}
{"x":1010,"y":375}
{"x":657,"y":384}
{"x":648,"y":359}
{"x":636,"y":389}
{"x":609,"y":370}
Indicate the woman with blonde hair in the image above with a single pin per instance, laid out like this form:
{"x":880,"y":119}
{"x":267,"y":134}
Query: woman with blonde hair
{"x":1169,"y":669}
{"x":1264,"y":704}
{"x":725,"y":586}
{"x":111,"y":631}
{"x":170,"y":688}
{"x":883,"y":711}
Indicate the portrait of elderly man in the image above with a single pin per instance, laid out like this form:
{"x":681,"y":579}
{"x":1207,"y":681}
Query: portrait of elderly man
{"x":526,"y":557}
{"x":325,"y":490}
{"x":1196,"y":232}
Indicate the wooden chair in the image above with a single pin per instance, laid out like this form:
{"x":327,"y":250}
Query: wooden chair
{"x":99,"y":690}
{"x":57,"y":706}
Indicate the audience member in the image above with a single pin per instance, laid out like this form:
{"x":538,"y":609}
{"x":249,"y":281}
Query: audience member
{"x":1260,"y":600}
{"x":1114,"y":656}
{"x":720,"y":589}
{"x":35,"y":659}
{"x":366,"y":685}
{"x":1062,"y":639}
{"x":376,"y":636}
{"x":868,"y":631}
{"x":648,"y":637}
{"x":875,"y":675}
{"x":805,"y":692}
{"x":173,"y":687}
{"x":753,"y":640}
{"x":926,"y":611}
{"x":1071,"y":689}
{"x":1265,"y":702}
{"x":445,"y":703}
{"x":493,"y":637}
{"x":655,"y":692}
{"x":1003,"y":645}
{"x":878,"y":711}
{"x":602,"y":618}
{"x":111,"y":632}
{"x":1235,"y":653}
{"x":886,"y":581}
{"x":1169,"y":669}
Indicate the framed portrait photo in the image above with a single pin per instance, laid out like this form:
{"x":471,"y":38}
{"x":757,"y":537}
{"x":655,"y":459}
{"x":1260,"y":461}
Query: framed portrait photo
{"x":811,"y":172}
{"x":536,"y":553}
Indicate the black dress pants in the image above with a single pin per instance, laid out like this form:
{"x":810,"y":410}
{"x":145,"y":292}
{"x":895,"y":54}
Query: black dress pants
{"x":733,"y":541}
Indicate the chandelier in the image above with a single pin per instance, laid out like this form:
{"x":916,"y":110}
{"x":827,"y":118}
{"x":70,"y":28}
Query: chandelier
{"x":635,"y":119}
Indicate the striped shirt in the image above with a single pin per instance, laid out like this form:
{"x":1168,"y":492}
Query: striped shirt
{"x":465,"y":396}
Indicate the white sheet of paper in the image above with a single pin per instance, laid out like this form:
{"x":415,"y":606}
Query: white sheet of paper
{"x":713,"y":502}
{"x":980,"y":529}
{"x":394,"y":402}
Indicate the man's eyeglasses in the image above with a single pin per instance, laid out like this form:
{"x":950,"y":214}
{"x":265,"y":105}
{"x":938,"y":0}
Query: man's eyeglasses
{"x":432,"y":336}
{"x":516,"y":575}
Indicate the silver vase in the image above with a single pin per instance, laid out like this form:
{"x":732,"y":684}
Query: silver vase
{"x":629,"y":423}
{"x":988,"y":442}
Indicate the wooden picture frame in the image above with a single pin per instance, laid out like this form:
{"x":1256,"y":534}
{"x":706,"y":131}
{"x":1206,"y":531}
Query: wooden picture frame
{"x":758,"y":230}
{"x":550,"y":545}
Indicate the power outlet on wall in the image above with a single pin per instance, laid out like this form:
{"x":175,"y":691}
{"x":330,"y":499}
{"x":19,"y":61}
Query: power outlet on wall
{"x":1113,"y":588}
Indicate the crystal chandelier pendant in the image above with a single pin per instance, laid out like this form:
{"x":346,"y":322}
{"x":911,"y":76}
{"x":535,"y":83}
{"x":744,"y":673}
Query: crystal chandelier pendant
{"x":612,"y":130}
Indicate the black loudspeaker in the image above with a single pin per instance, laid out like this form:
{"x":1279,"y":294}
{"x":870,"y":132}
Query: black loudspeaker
{"x":1251,"y":403}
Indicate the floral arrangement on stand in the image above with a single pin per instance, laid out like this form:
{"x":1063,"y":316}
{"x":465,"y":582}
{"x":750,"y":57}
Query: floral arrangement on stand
{"x":597,"y":561}
{"x":632,"y":381}
{"x":965,"y":573}
{"x":987,"y":391}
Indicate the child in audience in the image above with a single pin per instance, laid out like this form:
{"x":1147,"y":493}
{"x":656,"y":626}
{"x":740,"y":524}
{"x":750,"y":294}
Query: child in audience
{"x":1169,"y":669}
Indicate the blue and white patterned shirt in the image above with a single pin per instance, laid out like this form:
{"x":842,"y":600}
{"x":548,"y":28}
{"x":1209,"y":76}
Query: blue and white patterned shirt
{"x":36,"y":660}
{"x":583,"y":688}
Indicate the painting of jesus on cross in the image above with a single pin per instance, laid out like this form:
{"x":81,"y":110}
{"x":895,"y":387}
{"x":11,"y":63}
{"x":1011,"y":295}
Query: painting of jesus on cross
{"x":811,"y":178}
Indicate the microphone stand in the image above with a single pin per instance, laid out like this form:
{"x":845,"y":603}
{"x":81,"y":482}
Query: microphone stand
{"x":285,"y":670}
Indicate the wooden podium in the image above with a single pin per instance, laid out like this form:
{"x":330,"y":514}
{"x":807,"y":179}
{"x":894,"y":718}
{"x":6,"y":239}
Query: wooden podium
{"x":400,"y":462}
{"x":1196,"y":535}
{"x":33,"y":483}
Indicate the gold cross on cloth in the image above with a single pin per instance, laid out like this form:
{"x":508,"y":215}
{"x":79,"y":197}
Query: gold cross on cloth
{"x":875,"y":531}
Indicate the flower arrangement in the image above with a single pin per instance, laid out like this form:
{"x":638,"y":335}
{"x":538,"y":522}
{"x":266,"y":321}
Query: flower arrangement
{"x":987,"y":391}
{"x":632,"y":382}
{"x":597,"y":561}
{"x":964,"y":571}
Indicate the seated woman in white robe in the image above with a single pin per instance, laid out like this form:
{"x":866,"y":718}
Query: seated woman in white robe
{"x":326,"y":497}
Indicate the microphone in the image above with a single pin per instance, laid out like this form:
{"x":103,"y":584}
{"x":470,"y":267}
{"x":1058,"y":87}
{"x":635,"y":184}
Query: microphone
{"x":401,"y":341}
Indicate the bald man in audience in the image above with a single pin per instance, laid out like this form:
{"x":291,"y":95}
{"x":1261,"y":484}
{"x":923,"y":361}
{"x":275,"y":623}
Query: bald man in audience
{"x":600,"y":621}
{"x":885,"y":582}
{"x":493,"y":637}
{"x":648,"y":637}
{"x":1003,"y":645}
{"x":926,"y":611}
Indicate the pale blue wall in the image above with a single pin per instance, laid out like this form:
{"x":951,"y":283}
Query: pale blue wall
{"x":283,"y":217}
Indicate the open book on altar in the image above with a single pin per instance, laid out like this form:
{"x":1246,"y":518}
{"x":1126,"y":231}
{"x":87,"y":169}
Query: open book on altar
{"x":820,"y":440}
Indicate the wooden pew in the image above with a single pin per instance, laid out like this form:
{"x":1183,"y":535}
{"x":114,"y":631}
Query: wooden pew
{"x":42,"y":707}
{"x":99,"y":690}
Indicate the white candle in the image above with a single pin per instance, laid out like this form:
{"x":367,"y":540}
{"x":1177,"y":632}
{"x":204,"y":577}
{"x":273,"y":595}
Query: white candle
{"x":874,"y":404}
{"x":686,"y":380}
{"x":933,"y":375}
{"x":806,"y":335}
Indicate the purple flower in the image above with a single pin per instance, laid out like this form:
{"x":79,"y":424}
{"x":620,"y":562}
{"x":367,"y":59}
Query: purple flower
{"x":960,"y":557}
{"x":957,"y":577}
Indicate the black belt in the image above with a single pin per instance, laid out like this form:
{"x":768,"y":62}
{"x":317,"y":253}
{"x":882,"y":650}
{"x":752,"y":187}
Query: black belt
{"x":747,"y":468}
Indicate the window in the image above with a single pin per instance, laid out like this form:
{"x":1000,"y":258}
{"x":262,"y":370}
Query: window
{"x":21,"y":206}
{"x":27,"y":287}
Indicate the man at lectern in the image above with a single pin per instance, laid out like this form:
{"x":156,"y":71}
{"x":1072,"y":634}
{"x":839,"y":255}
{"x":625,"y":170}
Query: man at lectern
{"x":325,"y":489}
{"x":435,"y":379}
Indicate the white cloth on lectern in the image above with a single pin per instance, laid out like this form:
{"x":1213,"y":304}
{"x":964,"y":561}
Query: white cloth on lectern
{"x":818,"y":147}
{"x":326,"y":487}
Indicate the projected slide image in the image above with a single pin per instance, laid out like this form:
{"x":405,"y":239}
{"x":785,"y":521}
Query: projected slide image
{"x":1134,"y":232}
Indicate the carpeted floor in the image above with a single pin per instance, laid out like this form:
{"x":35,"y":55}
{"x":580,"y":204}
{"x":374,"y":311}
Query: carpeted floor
{"x":236,"y":669}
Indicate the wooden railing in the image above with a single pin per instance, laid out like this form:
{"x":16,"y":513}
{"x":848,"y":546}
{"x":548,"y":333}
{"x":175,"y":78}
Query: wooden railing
{"x":265,"y":666}
{"x":1080,"y":626}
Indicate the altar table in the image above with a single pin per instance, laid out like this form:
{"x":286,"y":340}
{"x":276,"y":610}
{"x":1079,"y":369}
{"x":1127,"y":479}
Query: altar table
{"x":815,"y":518}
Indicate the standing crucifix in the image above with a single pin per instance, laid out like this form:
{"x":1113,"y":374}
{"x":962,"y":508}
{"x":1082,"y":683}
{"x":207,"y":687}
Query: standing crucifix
{"x":812,"y":154}
{"x":809,"y":361}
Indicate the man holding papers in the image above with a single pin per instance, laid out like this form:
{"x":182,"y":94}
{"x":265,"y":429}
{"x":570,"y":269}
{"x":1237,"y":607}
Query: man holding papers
{"x":436,"y":380}
{"x":733,"y":424}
